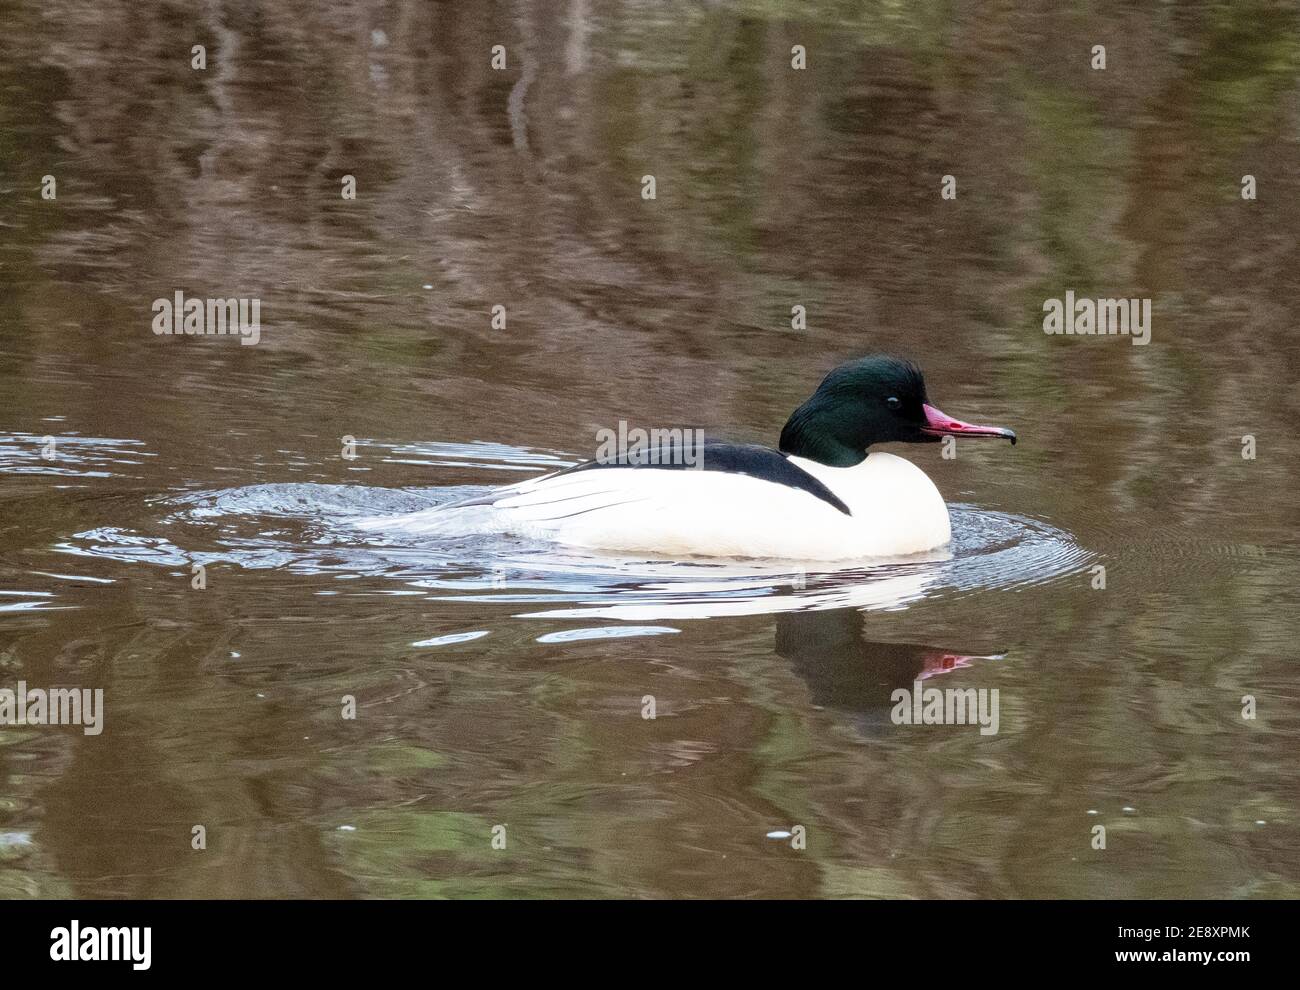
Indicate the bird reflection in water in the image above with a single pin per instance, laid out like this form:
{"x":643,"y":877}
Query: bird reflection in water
{"x":847,"y":672}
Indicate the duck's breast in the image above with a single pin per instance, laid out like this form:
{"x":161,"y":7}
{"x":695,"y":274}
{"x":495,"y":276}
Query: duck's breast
{"x":897,"y":508}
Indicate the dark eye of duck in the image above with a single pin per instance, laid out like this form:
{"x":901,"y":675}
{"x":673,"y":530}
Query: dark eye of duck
{"x":894,"y":402}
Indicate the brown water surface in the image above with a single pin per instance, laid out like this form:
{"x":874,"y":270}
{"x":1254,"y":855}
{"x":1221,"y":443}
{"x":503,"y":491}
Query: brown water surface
{"x":501,"y":683}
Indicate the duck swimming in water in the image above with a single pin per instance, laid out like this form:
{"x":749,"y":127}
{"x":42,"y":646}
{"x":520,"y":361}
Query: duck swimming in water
{"x":823,"y":495}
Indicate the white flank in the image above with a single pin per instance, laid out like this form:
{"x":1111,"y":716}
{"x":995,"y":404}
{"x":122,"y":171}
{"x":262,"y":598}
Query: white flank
{"x":895,"y":511}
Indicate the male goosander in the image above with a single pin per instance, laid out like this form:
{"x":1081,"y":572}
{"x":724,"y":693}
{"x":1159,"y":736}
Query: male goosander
{"x":820,"y":497}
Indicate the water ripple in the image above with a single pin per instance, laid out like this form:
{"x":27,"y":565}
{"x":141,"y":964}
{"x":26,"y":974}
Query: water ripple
{"x":306,"y":529}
